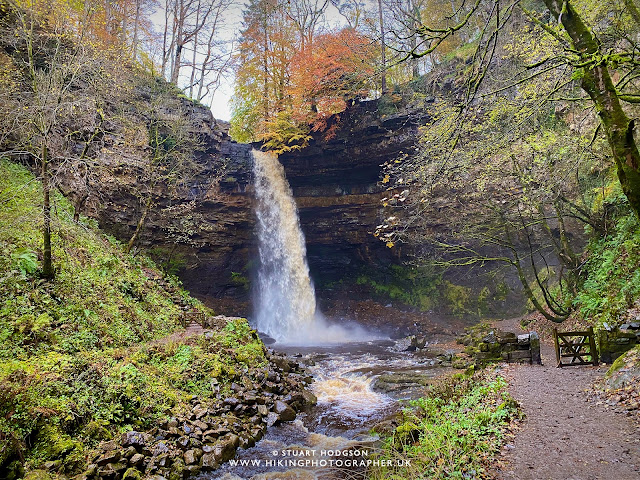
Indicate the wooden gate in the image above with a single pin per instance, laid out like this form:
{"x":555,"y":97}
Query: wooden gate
{"x":572,"y":345}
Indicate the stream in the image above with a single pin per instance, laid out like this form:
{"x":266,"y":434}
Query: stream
{"x":360,"y":380}
{"x":358,"y":386}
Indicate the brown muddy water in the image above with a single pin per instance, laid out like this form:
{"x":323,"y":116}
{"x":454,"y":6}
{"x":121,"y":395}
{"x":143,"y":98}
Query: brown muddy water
{"x":358,"y":386}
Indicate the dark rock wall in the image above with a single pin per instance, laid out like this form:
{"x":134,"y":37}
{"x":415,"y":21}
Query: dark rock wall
{"x":336,"y":183}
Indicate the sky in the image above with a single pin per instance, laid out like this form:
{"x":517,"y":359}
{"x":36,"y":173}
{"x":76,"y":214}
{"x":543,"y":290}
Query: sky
{"x":220,"y":106}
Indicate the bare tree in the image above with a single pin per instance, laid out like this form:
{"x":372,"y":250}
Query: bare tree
{"x":60,"y":91}
{"x":305,"y":15}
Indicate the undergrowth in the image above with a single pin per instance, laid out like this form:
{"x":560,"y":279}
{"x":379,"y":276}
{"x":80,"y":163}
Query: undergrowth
{"x":612,"y":271}
{"x":91,"y":354}
{"x":453,"y":432}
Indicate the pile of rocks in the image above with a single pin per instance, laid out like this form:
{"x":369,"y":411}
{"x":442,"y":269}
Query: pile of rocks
{"x":498,"y":345}
{"x":614,"y":341}
{"x":211,"y":432}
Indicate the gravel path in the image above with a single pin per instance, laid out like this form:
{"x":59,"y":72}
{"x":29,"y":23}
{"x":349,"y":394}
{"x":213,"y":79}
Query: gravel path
{"x":566,"y":434}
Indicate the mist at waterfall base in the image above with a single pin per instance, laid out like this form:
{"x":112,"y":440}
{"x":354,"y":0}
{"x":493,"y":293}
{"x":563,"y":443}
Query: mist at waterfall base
{"x":285,"y":303}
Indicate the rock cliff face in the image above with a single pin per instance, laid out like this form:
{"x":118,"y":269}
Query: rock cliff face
{"x":338,"y":189}
{"x":203,"y":230}
{"x":206,"y":232}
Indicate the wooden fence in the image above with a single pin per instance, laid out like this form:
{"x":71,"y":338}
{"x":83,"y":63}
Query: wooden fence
{"x":573,"y":346}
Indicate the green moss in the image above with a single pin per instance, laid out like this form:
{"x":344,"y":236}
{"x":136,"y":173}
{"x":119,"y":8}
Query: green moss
{"x":612,"y":273}
{"x":132,"y":474}
{"x":454,"y":432}
{"x":89,"y":355}
{"x":38,"y":475}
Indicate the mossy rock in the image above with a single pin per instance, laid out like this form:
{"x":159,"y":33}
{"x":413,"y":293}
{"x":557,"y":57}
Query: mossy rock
{"x":96,"y":431}
{"x":38,"y":475}
{"x":132,"y":474}
{"x":461,"y":363}
{"x":406,"y":434}
{"x":55,"y":447}
{"x":15,"y":470}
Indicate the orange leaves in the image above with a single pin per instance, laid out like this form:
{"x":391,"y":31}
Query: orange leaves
{"x":335,"y":69}
{"x":286,"y":75}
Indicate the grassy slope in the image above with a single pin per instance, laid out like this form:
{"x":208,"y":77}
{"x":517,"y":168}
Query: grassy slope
{"x":454,"y":432}
{"x":78,"y":360}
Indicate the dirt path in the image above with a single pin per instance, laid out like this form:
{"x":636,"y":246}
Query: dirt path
{"x":566,"y":435}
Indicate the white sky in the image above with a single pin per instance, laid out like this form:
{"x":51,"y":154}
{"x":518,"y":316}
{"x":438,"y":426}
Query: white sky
{"x":220,"y":106}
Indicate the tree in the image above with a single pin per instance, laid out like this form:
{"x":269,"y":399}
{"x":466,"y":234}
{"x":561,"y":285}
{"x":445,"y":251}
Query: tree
{"x":59,"y":92}
{"x":305,"y":15}
{"x":269,"y":41}
{"x":326,"y":78}
{"x":585,"y":53}
{"x":194,"y":25}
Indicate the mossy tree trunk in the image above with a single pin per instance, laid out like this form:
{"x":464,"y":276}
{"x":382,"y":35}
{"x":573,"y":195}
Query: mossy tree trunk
{"x":597,"y":83}
{"x":47,"y":266}
{"x":140,"y":225}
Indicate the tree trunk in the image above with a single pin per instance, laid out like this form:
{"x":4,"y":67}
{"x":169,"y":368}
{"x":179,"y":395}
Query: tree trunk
{"x":136,"y":27}
{"x":176,"y":65}
{"x":139,"y":226}
{"x":383,"y":48}
{"x":597,"y":83}
{"x":47,"y":266}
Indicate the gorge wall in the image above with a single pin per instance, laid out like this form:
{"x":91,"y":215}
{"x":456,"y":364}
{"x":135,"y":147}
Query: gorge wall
{"x":336,"y":183}
{"x":204,"y":231}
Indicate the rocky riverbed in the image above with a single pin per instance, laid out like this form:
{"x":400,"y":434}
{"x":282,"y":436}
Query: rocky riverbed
{"x":209,"y":434}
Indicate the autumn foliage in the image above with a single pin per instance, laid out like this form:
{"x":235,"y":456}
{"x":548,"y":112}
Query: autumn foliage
{"x":291,"y":81}
{"x":325,"y":78}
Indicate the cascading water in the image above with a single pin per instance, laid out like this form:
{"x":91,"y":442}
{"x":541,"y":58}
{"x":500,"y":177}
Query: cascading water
{"x":286,"y":303}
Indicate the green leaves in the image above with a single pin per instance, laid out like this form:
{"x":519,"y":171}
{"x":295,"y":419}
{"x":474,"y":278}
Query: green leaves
{"x":26,"y":260}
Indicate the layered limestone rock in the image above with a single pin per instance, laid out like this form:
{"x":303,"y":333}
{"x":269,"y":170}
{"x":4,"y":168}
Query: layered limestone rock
{"x":338,"y":189}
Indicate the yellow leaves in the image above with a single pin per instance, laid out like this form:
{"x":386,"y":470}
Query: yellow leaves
{"x":390,"y":244}
{"x":386,"y":178}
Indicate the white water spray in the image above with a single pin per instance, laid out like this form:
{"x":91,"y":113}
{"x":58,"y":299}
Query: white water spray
{"x":286,"y":299}
{"x":286,"y":303}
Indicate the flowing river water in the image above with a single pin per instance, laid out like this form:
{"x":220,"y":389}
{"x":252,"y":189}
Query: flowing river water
{"x":358,"y":386}
{"x":360,"y":378}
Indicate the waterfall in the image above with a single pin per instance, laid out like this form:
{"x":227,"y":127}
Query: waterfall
{"x":286,"y":303}
{"x":285,"y":306}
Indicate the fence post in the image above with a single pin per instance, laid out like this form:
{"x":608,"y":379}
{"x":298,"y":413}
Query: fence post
{"x":557,"y":345}
{"x":592,"y":347}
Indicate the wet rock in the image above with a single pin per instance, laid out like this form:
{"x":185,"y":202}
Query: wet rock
{"x":129,"y":452}
{"x":285,"y":412}
{"x":400,"y":381}
{"x":108,"y":446}
{"x":199,"y":411}
{"x":192,"y":456}
{"x":231,"y":401}
{"x":209,"y":462}
{"x":173,"y":422}
{"x":201,"y":425}
{"x":107,"y":472}
{"x":309,"y":398}
{"x":137,"y":460}
{"x":135,"y":439}
{"x":231,"y":476}
{"x":193,"y":469}
{"x":282,"y":363}
{"x":109,"y":457}
{"x":160,"y":449}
